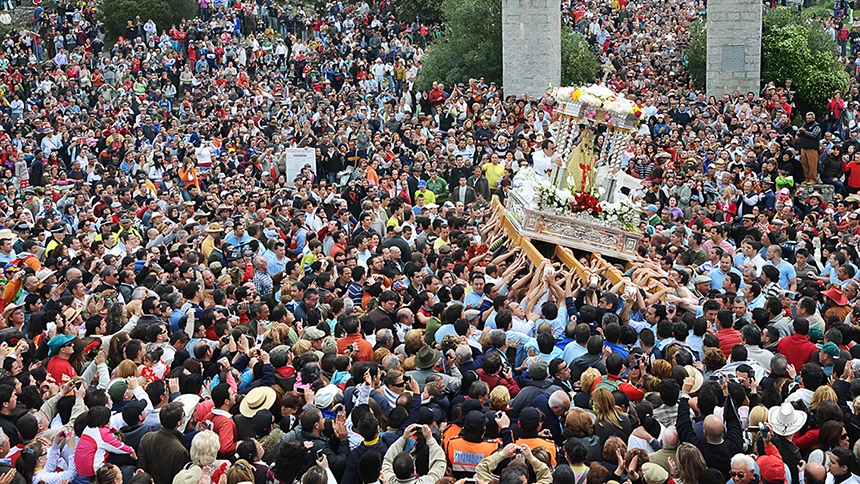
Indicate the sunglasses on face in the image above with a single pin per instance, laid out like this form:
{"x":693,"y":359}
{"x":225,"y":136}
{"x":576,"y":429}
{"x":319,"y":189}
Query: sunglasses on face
{"x":739,"y":475}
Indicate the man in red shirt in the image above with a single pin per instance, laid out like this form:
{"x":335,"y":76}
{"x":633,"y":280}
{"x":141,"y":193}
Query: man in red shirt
{"x":797,"y":348}
{"x":360,"y":348}
{"x":223,"y":397}
{"x":62,"y":348}
{"x":728,"y":336}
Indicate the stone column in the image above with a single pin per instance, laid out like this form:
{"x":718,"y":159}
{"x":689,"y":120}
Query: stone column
{"x":734,"y":47}
{"x":531,"y":46}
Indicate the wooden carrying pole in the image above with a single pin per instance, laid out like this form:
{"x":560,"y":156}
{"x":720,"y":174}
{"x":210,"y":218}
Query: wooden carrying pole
{"x":564,"y":254}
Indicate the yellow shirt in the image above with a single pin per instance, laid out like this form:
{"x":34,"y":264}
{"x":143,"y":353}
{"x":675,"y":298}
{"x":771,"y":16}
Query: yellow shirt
{"x":439,"y":243}
{"x":494,"y":174}
{"x":429,"y":197}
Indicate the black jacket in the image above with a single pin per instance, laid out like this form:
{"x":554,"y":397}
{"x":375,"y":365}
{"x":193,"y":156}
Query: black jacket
{"x":810,"y":137}
{"x":336,"y":451}
{"x":7,"y":423}
{"x":18,"y":479}
{"x":719,"y":456}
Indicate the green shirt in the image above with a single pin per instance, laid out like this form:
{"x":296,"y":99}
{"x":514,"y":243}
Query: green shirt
{"x":439,"y":189}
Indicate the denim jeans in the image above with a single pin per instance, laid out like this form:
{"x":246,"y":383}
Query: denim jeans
{"x":838,"y":185}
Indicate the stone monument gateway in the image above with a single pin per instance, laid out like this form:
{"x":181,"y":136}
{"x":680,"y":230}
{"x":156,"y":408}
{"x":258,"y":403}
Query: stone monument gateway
{"x":531,"y":46}
{"x":734,"y":47}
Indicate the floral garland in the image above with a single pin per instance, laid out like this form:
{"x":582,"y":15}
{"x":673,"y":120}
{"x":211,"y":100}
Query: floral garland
{"x":597,"y":96}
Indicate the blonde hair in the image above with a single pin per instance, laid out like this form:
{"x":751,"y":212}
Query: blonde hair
{"x":133,"y":308}
{"x":204,"y":448}
{"x":240,"y":471}
{"x":604,"y":406}
{"x":821,"y":395}
{"x":588,"y":378}
{"x":500,"y":397}
{"x":758,"y":414}
{"x":413,"y":341}
{"x":301,"y":347}
{"x":126,"y":368}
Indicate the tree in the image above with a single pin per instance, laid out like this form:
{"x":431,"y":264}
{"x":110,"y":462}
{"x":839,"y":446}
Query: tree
{"x":785,"y":51}
{"x":117,"y":13}
{"x":779,"y":17}
{"x":420,"y":10}
{"x":578,"y":63}
{"x":696,"y":53}
{"x":471,"y":46}
{"x":802,"y":53}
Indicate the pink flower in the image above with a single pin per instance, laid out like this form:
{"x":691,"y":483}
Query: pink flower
{"x":607,"y":116}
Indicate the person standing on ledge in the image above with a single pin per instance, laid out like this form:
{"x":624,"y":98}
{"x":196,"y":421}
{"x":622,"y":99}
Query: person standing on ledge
{"x":808,"y":139}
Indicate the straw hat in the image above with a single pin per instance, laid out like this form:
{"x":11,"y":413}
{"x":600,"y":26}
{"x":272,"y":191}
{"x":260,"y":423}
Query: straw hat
{"x":260,"y":398}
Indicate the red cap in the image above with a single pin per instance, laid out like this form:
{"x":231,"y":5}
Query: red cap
{"x":771,"y":468}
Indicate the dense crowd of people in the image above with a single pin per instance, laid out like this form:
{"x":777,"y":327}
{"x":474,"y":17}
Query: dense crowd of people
{"x":177,"y":308}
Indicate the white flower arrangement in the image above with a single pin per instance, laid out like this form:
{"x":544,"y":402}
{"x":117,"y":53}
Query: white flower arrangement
{"x":553,"y":199}
{"x":598,"y":91}
{"x":620,"y":105}
{"x":590,"y":100}
{"x":622,"y":213}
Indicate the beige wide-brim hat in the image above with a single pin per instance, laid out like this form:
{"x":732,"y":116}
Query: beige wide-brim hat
{"x":260,"y":398}
{"x":692,"y":371}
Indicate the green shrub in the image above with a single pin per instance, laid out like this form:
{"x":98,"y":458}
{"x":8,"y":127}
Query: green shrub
{"x":696,"y":53}
{"x":807,"y":55}
{"x":471,"y":46}
{"x":578,"y":63}
{"x":779,"y":17}
{"x":117,"y":13}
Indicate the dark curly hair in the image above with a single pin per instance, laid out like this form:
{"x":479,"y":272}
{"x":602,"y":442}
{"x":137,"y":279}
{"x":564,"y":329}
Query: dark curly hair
{"x":292,"y":461}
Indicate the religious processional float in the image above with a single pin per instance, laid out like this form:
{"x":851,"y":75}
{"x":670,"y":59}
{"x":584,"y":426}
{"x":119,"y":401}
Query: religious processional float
{"x":579,"y":202}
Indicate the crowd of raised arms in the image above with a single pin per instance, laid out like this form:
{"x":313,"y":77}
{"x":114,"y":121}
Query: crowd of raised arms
{"x":181,"y":304}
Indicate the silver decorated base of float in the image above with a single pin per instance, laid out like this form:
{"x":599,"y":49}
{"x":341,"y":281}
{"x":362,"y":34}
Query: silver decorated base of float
{"x":578,"y":231}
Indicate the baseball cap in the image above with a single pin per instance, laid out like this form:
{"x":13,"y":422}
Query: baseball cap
{"x":830,"y":349}
{"x":530,"y":419}
{"x":771,"y":468}
{"x":132,"y":411}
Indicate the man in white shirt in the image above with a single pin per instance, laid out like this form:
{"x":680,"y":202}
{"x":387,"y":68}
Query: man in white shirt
{"x":545,"y":158}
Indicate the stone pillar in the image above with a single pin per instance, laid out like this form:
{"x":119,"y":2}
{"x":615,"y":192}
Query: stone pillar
{"x":734,"y":47}
{"x":531,"y":46}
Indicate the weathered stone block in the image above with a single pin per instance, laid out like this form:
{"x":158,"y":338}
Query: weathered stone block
{"x":734,"y":45}
{"x":531,"y":46}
